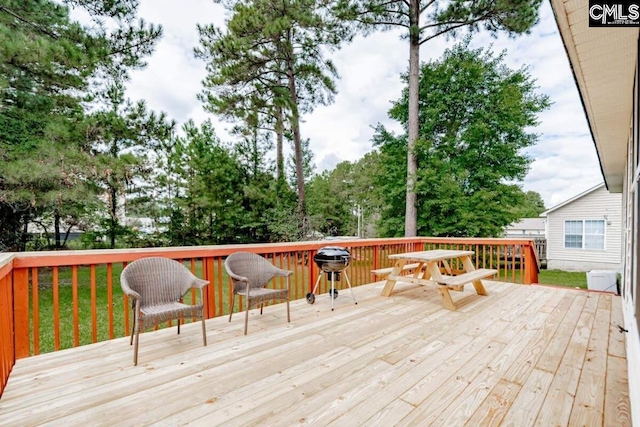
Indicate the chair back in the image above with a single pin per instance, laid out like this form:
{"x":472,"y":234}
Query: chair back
{"x":158,"y":280}
{"x":258,"y":270}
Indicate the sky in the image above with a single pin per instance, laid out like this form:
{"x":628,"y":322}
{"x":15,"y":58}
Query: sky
{"x":565,"y":160}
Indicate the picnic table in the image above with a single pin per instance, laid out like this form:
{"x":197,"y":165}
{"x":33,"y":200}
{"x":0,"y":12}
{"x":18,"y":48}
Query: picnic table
{"x":428,"y":272}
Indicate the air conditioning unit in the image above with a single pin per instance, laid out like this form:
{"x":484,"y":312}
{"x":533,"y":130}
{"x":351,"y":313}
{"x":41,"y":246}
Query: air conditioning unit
{"x":603,"y":280}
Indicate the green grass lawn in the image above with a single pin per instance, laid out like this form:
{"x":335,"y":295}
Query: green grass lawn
{"x":574,"y":279}
{"x":563,"y":278}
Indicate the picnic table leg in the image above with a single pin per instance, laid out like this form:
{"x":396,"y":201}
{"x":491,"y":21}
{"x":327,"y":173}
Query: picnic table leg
{"x":426,"y":270}
{"x":418,"y":271}
{"x":480,"y":290}
{"x":447,"y":302}
{"x":447,"y":268}
{"x":477,"y":284}
{"x":397,"y":269}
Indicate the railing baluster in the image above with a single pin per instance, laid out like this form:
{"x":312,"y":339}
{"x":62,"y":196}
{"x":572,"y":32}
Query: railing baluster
{"x":74,"y":291}
{"x":35,"y":308}
{"x":513,"y":265}
{"x":110,"y":299}
{"x":125,"y":307}
{"x":94,"y":311}
{"x":220,"y":296}
{"x":192,"y":268}
{"x":56,"y":309}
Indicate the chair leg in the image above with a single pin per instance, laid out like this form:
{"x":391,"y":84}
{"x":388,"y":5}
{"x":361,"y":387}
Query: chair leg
{"x":178,"y":326}
{"x":133,"y":329}
{"x":233,"y":304}
{"x":246,"y":318}
{"x":261,"y":307}
{"x":288,"y":313}
{"x":204,"y":332}
{"x":135,"y":349}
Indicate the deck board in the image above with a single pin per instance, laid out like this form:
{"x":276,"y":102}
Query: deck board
{"x":523,"y":355}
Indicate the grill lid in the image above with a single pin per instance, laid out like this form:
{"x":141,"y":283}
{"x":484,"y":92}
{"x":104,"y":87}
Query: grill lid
{"x":332,"y":258}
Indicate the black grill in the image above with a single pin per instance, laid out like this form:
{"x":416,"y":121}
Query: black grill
{"x":332,"y":259}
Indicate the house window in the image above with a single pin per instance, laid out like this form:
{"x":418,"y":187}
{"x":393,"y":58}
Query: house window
{"x":587,"y":234}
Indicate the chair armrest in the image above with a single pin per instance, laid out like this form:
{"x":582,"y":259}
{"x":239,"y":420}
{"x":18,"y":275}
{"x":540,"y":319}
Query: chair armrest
{"x":128,"y":291}
{"x":282,"y":273}
{"x":199,"y":283}
{"x":237,"y":278}
{"x":278,"y":272}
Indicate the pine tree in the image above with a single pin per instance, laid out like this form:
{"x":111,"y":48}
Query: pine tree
{"x":50,"y":69}
{"x":269,"y":65}
{"x":423,"y":21}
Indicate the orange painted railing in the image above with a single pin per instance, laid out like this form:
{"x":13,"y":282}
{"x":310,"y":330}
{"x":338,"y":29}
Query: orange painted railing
{"x":55,"y":300}
{"x":7,"y":348}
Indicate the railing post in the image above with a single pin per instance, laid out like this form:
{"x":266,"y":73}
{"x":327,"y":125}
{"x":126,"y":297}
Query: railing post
{"x":376,"y":263}
{"x":312,"y":267}
{"x":531,"y":265}
{"x":209,"y":291}
{"x":21,"y":312}
{"x":7,"y":345}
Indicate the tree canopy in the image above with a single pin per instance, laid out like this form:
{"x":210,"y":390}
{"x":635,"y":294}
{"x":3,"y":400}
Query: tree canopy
{"x":475,"y":120}
{"x":75,"y":150}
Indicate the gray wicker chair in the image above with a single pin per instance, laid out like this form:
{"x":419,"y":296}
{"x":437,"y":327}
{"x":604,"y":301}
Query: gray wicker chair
{"x":250,"y":273}
{"x":156,"y":286}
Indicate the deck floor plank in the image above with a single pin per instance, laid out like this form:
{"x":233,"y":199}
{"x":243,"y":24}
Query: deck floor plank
{"x":616,"y":404}
{"x":616,"y":335}
{"x":588,"y":408}
{"x":519,"y":356}
{"x":557,"y":405}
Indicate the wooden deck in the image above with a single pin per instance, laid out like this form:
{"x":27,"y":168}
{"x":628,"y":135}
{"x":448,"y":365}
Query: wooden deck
{"x":524,"y":355}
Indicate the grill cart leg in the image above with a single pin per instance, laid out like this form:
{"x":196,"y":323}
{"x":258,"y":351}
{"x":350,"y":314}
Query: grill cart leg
{"x":333,"y":286}
{"x":311,"y":298}
{"x":350,"y":288}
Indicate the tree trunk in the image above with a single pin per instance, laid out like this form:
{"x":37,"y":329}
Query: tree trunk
{"x":255,"y":155}
{"x":24,"y":236}
{"x":66,"y":235}
{"x":280,"y":180}
{"x":56,"y":229}
{"x":114,"y":216}
{"x":411,"y":212}
{"x":297,"y":146}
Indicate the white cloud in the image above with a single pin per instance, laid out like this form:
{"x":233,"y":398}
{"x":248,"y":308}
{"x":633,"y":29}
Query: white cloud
{"x":565,"y":158}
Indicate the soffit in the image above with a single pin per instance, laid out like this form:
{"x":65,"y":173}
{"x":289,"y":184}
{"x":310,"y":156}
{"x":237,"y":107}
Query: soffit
{"x":603,"y":62}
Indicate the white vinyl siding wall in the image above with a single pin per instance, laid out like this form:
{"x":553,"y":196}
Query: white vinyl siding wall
{"x":595,"y":205}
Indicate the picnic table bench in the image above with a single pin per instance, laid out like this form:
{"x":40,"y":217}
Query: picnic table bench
{"x":384,"y":272}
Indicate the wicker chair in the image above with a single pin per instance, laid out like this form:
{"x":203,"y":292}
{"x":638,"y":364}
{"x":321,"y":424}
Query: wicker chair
{"x":156,"y":287}
{"x":250,"y":273}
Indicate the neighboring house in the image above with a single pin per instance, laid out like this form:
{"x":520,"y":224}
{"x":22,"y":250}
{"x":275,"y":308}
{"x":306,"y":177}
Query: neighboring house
{"x":585,"y":232}
{"x":526,"y":227}
{"x":604,"y":62}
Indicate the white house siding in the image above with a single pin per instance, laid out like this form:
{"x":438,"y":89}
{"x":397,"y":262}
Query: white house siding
{"x":630,"y":285}
{"x":592,"y":206}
